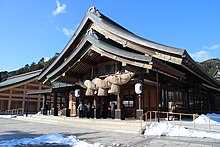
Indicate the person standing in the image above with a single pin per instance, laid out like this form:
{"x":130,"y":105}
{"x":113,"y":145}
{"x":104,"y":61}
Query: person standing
{"x":172,"y":111}
{"x":80,"y":109}
{"x":105,"y":110}
{"x":46,"y":108}
{"x":98,"y":111}
{"x":112,"y":110}
{"x":88,"y":110}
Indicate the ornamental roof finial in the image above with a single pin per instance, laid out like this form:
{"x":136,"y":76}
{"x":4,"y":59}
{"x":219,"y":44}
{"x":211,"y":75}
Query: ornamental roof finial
{"x":94,"y":11}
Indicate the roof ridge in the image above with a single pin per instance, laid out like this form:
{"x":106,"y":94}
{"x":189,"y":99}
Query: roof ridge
{"x":96,"y":12}
{"x":24,"y":74}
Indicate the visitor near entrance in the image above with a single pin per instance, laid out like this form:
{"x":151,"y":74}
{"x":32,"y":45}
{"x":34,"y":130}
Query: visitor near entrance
{"x":172,"y":110}
{"x":88,"y":110}
{"x":112,"y":110}
{"x":81,"y":109}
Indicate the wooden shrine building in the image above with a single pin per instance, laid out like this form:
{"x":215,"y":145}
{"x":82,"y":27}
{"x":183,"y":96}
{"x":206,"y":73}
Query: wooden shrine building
{"x":13,"y":92}
{"x":105,"y":61}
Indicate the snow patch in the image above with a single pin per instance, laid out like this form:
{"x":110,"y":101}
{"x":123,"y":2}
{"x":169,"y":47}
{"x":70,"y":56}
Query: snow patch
{"x":204,"y":119}
{"x":58,"y":139}
{"x":167,"y":129}
{"x":8,"y":116}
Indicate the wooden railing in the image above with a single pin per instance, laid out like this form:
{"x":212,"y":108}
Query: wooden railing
{"x":19,"y":111}
{"x":149,"y":117}
{"x":209,"y":124}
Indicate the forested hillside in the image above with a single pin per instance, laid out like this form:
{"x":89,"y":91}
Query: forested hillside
{"x":209,"y":66}
{"x":41,"y":64}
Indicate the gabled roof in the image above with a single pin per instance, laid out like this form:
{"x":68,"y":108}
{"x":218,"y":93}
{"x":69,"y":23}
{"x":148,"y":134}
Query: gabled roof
{"x":91,"y":42}
{"x":216,"y":73}
{"x":114,"y":28}
{"x":111,"y":30}
{"x":94,"y":19}
{"x":100,"y":48}
{"x":14,"y":80}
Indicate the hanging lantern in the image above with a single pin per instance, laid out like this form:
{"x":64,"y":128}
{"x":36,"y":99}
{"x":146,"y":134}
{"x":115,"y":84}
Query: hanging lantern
{"x":138,"y":88}
{"x":77,"y":93}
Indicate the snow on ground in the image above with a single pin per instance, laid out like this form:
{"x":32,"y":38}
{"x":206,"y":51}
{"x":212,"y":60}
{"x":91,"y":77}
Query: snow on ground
{"x":214,"y":116}
{"x":8,"y":116}
{"x":53,"y":139}
{"x":167,"y":129}
{"x":203,"y":119}
{"x":155,"y":129}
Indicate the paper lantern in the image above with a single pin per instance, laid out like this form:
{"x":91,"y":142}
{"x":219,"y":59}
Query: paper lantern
{"x":77,"y":93}
{"x":138,"y":88}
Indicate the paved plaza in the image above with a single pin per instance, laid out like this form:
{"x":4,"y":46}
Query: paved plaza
{"x":17,"y":128}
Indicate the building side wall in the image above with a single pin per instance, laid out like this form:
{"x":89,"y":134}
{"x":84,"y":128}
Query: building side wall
{"x":16,"y":97}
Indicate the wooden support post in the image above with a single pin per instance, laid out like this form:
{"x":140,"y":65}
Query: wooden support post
{"x":118,"y":111}
{"x":209,"y":124}
{"x":122,"y":107}
{"x":146,"y":118}
{"x":158,"y":101}
{"x":55,"y":111}
{"x":94,"y":105}
{"x":67,"y":104}
{"x":27,"y":107}
{"x":45,"y":105}
{"x":139,"y":102}
{"x":194,"y":121}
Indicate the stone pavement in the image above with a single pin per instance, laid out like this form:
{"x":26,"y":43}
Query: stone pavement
{"x":17,"y":128}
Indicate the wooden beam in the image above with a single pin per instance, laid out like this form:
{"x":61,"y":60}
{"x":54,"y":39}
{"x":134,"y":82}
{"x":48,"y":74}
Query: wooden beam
{"x":88,"y":62}
{"x":117,"y":58}
{"x":73,"y":75}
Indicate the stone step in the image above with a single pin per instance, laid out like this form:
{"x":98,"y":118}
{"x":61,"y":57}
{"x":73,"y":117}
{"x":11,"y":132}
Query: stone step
{"x":129,"y":126}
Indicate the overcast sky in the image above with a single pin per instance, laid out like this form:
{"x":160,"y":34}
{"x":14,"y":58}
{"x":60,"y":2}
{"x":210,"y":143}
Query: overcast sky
{"x":30,"y":30}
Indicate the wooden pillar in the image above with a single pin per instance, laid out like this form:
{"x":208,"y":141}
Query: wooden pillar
{"x":39,"y":97}
{"x":9,"y":101}
{"x":200,"y":102}
{"x":66,"y":94}
{"x":27,"y":106}
{"x":139,"y":102}
{"x":24,"y":96}
{"x":140,"y":110}
{"x":77,"y":104}
{"x":209,"y":99}
{"x":45,"y":106}
{"x":187,"y":101}
{"x":118,"y":101}
{"x":98,"y":107}
{"x":142,"y":94}
{"x":119,"y":112}
{"x":44,"y":100}
{"x":50,"y":102}
{"x":158,"y":98}
{"x":119,"y":105}
{"x":61,"y":96}
{"x":194,"y":101}
{"x":94,"y":106}
{"x":38,"y":102}
{"x":55,"y":110}
{"x":122,"y":106}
